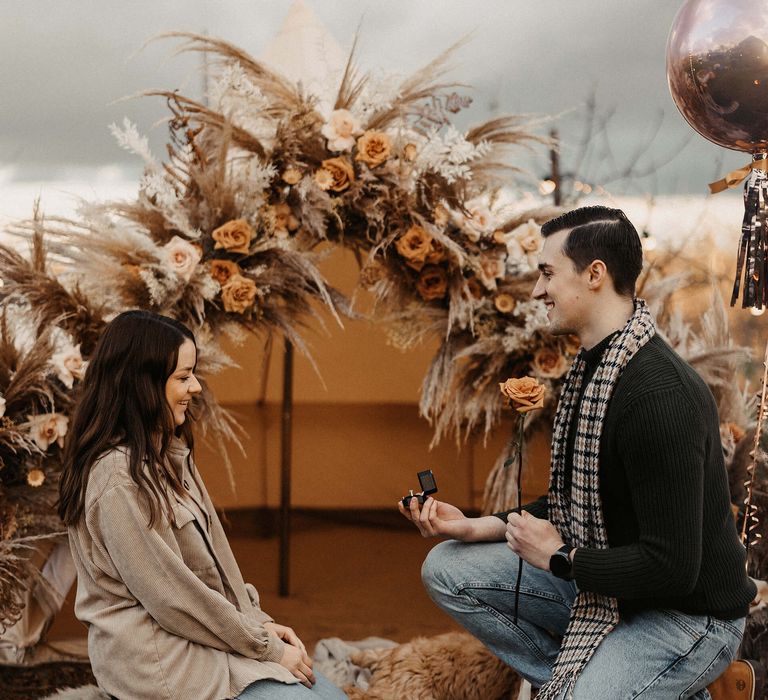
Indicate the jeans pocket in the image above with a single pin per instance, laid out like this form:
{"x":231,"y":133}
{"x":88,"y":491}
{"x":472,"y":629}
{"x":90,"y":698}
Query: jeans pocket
{"x":694,"y":626}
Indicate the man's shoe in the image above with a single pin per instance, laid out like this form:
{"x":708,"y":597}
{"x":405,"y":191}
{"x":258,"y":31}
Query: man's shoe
{"x":742,"y":680}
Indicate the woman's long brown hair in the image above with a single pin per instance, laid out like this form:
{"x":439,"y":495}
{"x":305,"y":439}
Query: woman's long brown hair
{"x":122,"y":404}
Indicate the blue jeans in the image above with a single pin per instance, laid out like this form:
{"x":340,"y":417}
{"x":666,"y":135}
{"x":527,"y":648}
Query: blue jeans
{"x":656,"y":654}
{"x":323,"y":689}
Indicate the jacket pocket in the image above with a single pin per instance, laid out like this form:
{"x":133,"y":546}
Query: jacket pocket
{"x":192,"y":544}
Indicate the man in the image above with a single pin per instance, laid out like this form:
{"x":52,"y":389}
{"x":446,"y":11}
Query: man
{"x":634,"y":583}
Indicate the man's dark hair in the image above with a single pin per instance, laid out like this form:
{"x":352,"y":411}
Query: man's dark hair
{"x":601,"y":233}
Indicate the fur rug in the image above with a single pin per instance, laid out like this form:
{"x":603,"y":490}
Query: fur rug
{"x":86,"y":692}
{"x":452,"y":666}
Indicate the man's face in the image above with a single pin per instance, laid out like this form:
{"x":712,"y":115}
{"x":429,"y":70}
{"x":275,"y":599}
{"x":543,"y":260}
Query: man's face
{"x":561,"y":287}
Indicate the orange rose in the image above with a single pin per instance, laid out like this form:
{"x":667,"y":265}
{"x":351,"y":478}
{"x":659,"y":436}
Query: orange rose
{"x":414,"y":245}
{"x":341,"y":173}
{"x":433,"y":283}
{"x":238,"y":294}
{"x":234,"y":236}
{"x":223,"y":270}
{"x":373,"y":148}
{"x":549,"y":363}
{"x":436,"y":252}
{"x":504,"y":303}
{"x":525,"y":394}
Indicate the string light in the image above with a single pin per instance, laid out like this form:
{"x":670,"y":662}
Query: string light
{"x":757,"y":311}
{"x":547,"y":187}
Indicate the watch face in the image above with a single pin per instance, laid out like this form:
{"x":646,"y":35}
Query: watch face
{"x":560,"y":564}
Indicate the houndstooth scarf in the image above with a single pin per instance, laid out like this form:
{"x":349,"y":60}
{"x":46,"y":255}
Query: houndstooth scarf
{"x":578,"y":516}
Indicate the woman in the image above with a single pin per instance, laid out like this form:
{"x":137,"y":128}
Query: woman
{"x":167,"y":611}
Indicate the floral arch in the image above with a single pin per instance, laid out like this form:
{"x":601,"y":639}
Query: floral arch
{"x":224,"y":236}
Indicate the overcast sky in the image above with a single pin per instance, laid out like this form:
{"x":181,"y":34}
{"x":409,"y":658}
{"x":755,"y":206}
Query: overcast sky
{"x":64,"y":63}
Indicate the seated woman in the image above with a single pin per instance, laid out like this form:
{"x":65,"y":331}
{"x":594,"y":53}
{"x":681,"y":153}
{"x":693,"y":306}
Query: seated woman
{"x":168,"y":614}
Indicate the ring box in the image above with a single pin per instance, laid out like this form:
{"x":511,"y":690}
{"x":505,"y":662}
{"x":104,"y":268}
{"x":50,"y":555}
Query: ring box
{"x":428,"y":487}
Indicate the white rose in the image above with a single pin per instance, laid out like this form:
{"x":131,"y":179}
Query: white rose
{"x":48,"y":428}
{"x":69,"y":365}
{"x":182,"y":256}
{"x":478,"y":222}
{"x":341,"y":129}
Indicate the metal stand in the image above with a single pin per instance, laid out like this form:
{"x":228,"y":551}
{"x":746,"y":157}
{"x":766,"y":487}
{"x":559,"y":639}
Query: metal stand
{"x":286,"y":429}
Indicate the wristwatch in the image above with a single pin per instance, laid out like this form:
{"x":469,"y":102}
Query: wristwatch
{"x":560,"y":563}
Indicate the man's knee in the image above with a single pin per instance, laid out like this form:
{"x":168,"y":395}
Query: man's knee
{"x":436,"y":567}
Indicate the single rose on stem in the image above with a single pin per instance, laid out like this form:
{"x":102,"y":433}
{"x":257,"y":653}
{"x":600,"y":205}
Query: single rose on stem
{"x":525,"y":395}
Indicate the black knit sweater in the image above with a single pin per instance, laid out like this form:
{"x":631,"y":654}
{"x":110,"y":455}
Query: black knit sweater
{"x":664,"y":489}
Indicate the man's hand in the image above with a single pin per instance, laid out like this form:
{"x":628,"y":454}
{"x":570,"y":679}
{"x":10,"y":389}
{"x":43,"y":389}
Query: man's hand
{"x":532,"y":539}
{"x":295,"y":657}
{"x":436,"y":518}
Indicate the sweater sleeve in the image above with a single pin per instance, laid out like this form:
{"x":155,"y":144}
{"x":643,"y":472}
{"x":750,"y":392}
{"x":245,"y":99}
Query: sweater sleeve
{"x":162,"y":583}
{"x":537,"y":508}
{"x":662,"y":441}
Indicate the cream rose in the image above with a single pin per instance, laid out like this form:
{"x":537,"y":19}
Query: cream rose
{"x":182,"y":257}
{"x":524,"y":243}
{"x":549,"y":363}
{"x":491,"y":269}
{"x":524,"y":394}
{"x":238,"y":294}
{"x":69,"y":365}
{"x":478,"y":221}
{"x":48,"y":428}
{"x":335,"y":174}
{"x":340,"y":130}
{"x":373,"y":148}
{"x":234,"y":236}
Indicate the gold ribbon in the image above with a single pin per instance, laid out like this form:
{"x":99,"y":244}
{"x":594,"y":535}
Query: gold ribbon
{"x":736,"y":177}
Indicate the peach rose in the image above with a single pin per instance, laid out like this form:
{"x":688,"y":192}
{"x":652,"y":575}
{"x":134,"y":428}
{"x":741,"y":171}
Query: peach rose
{"x":478,"y":221}
{"x":238,"y":294}
{"x":35,"y":477}
{"x":48,"y":428}
{"x":223,"y":270}
{"x":340,"y":130}
{"x":373,"y":148}
{"x":414,"y":245}
{"x":291,"y":176}
{"x":504,"y":303}
{"x":491,"y":269}
{"x":69,"y":365}
{"x":524,"y":394}
{"x":335,"y":174}
{"x":432,"y":283}
{"x":234,"y":236}
{"x":528,"y":235}
{"x":549,"y":363}
{"x":182,"y":257}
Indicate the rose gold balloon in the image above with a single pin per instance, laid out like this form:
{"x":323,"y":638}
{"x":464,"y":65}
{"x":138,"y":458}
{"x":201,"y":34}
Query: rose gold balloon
{"x":717,"y":67}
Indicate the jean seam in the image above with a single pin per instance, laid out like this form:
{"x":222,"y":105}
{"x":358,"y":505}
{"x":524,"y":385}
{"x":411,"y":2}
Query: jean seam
{"x":724,"y":650}
{"x":695,"y":634}
{"x":728,"y":627}
{"x":460,"y":587}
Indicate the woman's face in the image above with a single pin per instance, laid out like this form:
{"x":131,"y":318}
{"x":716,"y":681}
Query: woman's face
{"x":182,"y":384}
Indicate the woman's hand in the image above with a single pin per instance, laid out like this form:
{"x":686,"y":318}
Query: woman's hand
{"x":295,"y":657}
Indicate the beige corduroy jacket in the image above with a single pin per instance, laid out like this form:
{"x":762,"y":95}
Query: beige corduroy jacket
{"x":168,"y":613}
